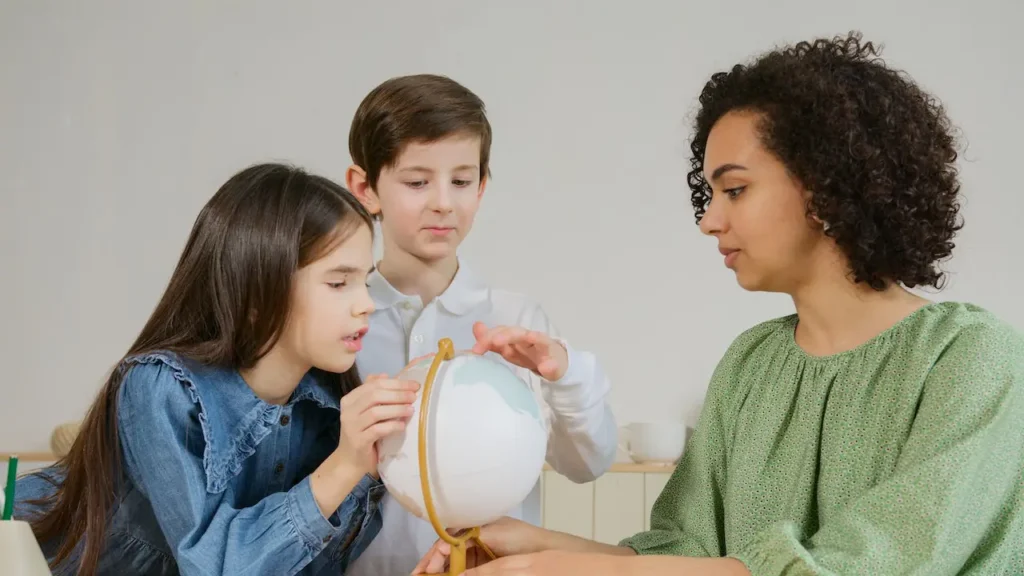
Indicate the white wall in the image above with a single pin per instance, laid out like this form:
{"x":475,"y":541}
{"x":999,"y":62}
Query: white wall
{"x":119,"y":120}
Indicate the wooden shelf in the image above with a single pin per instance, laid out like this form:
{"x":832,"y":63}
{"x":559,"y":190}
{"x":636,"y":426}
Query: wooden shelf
{"x":636,"y":468}
{"x":643,"y":468}
{"x":28,"y":456}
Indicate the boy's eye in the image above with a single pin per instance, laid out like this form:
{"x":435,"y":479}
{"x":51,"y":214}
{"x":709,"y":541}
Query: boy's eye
{"x":416,"y":184}
{"x":462,"y":183}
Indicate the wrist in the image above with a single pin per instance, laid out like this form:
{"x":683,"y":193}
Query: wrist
{"x":538,"y":540}
{"x":332,"y":481}
{"x":343,"y":469}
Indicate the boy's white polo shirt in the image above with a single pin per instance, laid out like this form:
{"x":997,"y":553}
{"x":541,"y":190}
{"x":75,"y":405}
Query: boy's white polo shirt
{"x":584,"y":434}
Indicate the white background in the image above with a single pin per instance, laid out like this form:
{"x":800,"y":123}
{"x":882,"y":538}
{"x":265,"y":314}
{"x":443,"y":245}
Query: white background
{"x":118,"y":120}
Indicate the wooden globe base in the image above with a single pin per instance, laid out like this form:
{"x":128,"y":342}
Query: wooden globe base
{"x":457,"y":557}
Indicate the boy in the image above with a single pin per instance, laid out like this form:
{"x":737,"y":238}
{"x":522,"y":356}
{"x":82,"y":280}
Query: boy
{"x":420,"y":147}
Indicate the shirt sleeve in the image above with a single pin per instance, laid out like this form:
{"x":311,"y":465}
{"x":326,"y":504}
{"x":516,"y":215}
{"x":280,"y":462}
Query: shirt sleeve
{"x":584,"y":434}
{"x":954,"y":500}
{"x":159,"y":424}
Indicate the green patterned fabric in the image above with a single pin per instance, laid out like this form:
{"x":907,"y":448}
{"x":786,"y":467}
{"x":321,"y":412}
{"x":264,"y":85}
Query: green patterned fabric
{"x":902,"y":456}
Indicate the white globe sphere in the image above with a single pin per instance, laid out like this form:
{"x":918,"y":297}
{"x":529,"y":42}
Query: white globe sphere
{"x":486,"y":442}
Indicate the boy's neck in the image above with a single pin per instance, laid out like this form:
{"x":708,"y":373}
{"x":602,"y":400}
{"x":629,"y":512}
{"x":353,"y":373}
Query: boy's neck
{"x":274,"y":379}
{"x":414,"y":276}
{"x":836,"y":315}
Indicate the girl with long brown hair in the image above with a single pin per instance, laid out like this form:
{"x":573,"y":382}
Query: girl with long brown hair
{"x":216,"y":445}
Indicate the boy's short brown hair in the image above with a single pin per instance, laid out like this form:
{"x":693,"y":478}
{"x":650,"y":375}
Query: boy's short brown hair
{"x":417,"y":108}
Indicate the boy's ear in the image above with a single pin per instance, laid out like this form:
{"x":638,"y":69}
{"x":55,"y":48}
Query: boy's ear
{"x":355,"y":179}
{"x":483,"y":186}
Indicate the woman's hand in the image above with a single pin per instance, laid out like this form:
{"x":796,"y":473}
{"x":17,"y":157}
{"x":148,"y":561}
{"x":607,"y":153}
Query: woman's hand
{"x":376,"y":408}
{"x":535,"y":351}
{"x":551,"y":563}
{"x":505,"y":537}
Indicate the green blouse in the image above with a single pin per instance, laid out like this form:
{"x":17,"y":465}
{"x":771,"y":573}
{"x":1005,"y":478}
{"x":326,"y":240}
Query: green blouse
{"x":902,"y":456}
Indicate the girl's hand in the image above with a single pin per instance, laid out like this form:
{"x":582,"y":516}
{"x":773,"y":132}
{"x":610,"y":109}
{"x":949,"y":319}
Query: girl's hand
{"x":378,"y":407}
{"x":535,"y":351}
{"x":505,"y":537}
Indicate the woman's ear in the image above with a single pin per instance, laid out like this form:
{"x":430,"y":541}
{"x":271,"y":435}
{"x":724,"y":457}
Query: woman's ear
{"x":355,"y":179}
{"x":814,"y":217}
{"x":824,"y":225}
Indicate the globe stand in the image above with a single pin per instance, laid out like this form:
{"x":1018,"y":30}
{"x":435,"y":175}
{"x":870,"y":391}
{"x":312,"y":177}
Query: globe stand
{"x":457,"y":557}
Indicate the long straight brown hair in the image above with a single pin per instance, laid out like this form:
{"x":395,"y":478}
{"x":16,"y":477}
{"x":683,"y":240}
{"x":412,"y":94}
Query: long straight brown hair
{"x":225,"y":304}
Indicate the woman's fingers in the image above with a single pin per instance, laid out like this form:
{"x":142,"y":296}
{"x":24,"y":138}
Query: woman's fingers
{"x":434,"y":561}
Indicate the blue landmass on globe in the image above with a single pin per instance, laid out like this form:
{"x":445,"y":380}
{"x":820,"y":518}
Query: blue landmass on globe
{"x":513,"y":390}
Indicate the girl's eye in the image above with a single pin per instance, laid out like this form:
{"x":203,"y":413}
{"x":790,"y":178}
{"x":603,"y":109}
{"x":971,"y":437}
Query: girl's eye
{"x":336,"y":285}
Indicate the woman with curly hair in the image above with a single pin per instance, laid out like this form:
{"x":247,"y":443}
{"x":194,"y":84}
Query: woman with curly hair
{"x":871,"y":432}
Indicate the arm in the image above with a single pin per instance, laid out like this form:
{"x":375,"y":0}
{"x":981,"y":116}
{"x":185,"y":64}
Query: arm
{"x":159,"y":424}
{"x":584,"y":434}
{"x":545,"y":552}
{"x":955,"y":500}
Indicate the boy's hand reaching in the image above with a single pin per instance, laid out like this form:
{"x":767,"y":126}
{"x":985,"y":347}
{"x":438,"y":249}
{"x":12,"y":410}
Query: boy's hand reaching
{"x":529,"y":349}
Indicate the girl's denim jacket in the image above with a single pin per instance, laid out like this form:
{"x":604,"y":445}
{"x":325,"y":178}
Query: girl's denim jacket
{"x":216,"y":481}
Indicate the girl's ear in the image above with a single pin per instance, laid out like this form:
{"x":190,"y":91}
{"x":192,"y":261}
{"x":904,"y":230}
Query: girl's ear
{"x":355,"y":178}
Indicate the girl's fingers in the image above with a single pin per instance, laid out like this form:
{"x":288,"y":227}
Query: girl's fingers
{"x":382,"y":413}
{"x":383,"y":391}
{"x":384,"y":396}
{"x":382,"y":429}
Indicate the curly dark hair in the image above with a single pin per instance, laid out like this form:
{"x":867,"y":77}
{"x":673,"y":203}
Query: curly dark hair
{"x":875,"y":150}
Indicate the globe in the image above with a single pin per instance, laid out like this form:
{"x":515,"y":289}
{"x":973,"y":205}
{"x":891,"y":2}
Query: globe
{"x":485,"y":441}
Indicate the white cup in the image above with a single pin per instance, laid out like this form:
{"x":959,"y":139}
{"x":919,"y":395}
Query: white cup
{"x":19,"y":552}
{"x":659,"y":442}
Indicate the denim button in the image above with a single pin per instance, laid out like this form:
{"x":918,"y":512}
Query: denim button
{"x":285,"y":420}
{"x":279,"y":468}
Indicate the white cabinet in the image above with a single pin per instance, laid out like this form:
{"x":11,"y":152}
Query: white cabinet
{"x":618,"y":506}
{"x":568,"y":507}
{"x":615,"y":506}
